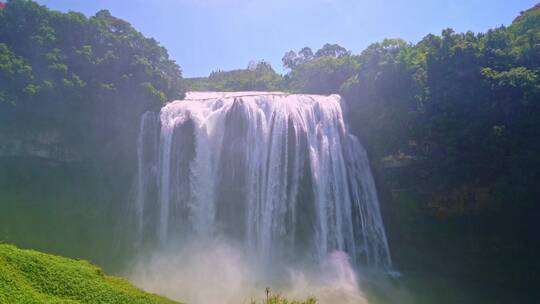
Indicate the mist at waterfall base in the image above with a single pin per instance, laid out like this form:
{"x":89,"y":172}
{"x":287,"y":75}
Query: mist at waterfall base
{"x":237,"y":192}
{"x":214,"y":271}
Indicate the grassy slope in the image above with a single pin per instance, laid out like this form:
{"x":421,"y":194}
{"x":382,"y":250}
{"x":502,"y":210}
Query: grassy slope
{"x":27,"y":276}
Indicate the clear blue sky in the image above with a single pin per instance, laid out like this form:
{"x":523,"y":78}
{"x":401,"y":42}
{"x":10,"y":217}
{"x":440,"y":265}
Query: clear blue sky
{"x":206,"y":35}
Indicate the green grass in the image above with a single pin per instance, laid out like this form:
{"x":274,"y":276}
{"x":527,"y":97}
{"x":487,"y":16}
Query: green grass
{"x":28,"y":276}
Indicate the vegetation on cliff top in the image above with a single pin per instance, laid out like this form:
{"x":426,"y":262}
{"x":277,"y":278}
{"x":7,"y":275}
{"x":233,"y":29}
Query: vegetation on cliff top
{"x":46,"y":54}
{"x":27,"y":276}
{"x":89,"y":77}
{"x":259,"y":76}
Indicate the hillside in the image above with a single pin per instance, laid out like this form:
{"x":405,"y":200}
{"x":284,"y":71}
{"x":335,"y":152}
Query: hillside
{"x":72,"y":90}
{"x":28,"y":276}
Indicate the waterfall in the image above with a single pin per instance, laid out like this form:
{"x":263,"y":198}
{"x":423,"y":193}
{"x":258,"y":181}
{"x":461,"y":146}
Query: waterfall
{"x":146,"y":151}
{"x":276,"y":172}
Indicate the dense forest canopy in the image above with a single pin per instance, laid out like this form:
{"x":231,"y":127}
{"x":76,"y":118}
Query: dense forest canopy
{"x":90,"y":77}
{"x":69,"y":55}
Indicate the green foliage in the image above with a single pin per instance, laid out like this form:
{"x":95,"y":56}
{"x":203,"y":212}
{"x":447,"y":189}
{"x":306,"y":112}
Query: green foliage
{"x":259,"y":76}
{"x":15,"y":76}
{"x":519,"y":77}
{"x":381,"y":97}
{"x":321,"y":73}
{"x":74,"y":55}
{"x":28,"y":276}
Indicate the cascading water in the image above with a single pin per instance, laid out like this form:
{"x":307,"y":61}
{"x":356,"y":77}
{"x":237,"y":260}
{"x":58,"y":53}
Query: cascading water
{"x":276,"y":172}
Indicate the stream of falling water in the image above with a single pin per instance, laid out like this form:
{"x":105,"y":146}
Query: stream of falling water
{"x":277,"y":173}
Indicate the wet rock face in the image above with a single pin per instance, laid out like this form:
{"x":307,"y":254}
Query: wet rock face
{"x":46,"y":144}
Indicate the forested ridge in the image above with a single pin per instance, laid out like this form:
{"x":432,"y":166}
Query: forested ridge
{"x":84,"y":75}
{"x":72,"y":90}
{"x":451,"y":124}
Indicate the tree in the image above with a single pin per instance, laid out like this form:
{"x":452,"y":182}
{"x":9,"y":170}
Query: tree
{"x":332,"y":50}
{"x":322,"y":73}
{"x":259,"y":76}
{"x":290,"y":60}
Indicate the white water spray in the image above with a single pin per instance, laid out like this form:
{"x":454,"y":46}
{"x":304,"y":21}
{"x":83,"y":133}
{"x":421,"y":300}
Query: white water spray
{"x":277,"y":173}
